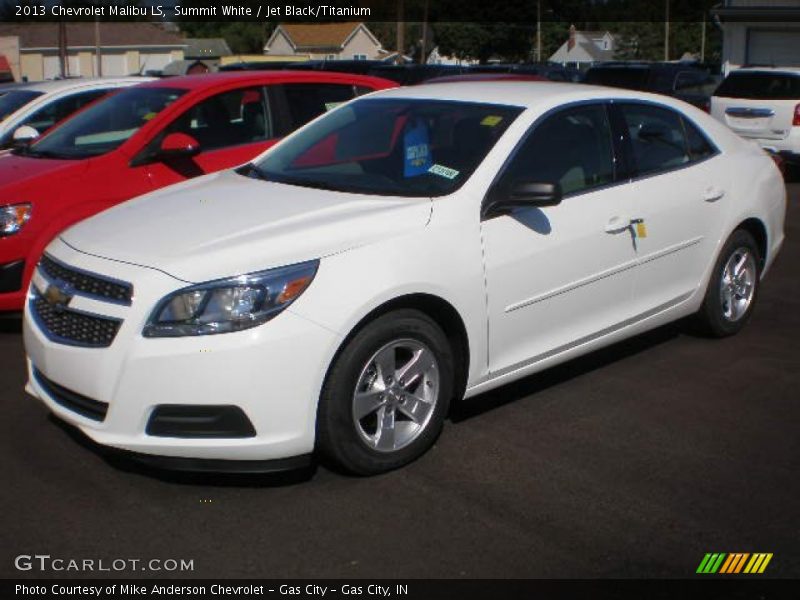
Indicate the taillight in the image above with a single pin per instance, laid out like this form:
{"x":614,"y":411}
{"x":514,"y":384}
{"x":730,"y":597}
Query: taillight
{"x":796,"y":120}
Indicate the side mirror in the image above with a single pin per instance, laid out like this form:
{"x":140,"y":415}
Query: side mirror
{"x":178,"y":145}
{"x":24,"y":135}
{"x":525,"y":194}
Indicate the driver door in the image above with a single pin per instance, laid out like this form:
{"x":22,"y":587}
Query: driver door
{"x":558,"y":276}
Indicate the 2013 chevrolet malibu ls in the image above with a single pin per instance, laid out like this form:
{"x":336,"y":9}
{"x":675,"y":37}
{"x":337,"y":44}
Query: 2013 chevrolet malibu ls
{"x":411,"y":248}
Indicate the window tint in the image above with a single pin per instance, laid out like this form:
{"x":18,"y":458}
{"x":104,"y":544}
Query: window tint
{"x":656,"y":136}
{"x":572,"y":148}
{"x":14,"y":100}
{"x":106,"y":125}
{"x":228,"y":119}
{"x":699,"y":146}
{"x":306,"y":101}
{"x":60,"y":109}
{"x":392,"y":147}
{"x":634,"y":78}
{"x":762,"y":85}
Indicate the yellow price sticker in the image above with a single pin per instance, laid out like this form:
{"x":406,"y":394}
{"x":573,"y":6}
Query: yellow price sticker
{"x":149,"y":116}
{"x":641,"y":230}
{"x":491,"y":120}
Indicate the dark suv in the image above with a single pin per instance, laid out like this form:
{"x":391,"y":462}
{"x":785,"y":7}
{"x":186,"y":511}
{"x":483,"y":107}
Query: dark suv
{"x":688,"y":82}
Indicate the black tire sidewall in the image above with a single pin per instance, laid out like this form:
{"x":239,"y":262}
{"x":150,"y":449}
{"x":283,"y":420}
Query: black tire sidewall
{"x":337,"y":438}
{"x":711,"y":312}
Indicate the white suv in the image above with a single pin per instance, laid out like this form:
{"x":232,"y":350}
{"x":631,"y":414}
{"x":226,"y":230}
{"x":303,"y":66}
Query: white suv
{"x":762,"y":104}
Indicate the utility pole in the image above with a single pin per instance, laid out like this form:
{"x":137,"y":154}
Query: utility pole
{"x":703,"y":41}
{"x":666,"y":30}
{"x":63,"y":59}
{"x":401,"y":30}
{"x":98,"y":57}
{"x":423,"y":55}
{"x":538,"y":31}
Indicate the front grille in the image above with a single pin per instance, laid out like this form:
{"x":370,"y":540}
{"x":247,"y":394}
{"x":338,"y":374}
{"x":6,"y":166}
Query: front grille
{"x":86,"y":283}
{"x":72,"y":327}
{"x":91,"y":409}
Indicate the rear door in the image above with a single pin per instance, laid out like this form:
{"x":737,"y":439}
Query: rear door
{"x":677,"y":200}
{"x":758,"y":104}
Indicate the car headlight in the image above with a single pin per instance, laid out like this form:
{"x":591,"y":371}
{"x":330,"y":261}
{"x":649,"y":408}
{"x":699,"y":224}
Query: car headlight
{"x":13,"y":217}
{"x":230,"y":304}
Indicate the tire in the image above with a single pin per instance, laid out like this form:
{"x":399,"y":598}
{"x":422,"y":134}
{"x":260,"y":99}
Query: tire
{"x":729,"y":303}
{"x":371,"y":418}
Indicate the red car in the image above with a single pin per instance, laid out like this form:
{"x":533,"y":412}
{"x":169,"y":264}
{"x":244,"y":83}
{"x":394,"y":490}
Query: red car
{"x":144,"y":138}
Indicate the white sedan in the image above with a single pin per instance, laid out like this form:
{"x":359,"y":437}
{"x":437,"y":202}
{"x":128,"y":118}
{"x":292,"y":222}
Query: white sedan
{"x":403,"y":251}
{"x":29,"y":109}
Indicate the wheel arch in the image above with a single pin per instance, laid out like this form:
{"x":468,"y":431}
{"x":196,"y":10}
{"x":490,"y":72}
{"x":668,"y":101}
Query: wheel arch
{"x":439,"y":310}
{"x":755,"y":227}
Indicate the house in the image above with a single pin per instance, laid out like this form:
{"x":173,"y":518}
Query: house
{"x":125,"y":48}
{"x":759,"y":32}
{"x":584,"y":48}
{"x":9,"y":59}
{"x":325,"y":41}
{"x":437,"y":58}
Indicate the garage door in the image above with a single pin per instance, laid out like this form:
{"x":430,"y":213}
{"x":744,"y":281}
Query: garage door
{"x":774,"y":48}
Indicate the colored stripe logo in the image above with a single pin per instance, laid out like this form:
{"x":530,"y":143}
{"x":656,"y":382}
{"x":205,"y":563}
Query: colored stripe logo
{"x":734,"y":563}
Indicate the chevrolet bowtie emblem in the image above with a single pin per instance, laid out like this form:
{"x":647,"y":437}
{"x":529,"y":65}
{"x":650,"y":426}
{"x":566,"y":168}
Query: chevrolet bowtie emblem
{"x":57,"y":295}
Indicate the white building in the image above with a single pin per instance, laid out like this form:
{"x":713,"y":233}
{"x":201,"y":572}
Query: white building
{"x":759,"y":32}
{"x":584,"y":48}
{"x":126,"y":48}
{"x":325,"y":41}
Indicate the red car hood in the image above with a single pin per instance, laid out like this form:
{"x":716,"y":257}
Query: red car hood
{"x":15,"y":169}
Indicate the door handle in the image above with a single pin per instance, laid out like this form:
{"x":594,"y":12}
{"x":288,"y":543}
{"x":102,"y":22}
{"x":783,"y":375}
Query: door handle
{"x":713,"y":194}
{"x":618,"y":224}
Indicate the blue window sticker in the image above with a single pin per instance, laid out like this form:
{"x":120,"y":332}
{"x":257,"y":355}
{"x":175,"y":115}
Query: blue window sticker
{"x":417,"y":150}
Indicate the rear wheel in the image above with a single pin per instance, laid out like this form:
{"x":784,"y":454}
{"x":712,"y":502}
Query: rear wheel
{"x":386,"y":395}
{"x":733,"y":287}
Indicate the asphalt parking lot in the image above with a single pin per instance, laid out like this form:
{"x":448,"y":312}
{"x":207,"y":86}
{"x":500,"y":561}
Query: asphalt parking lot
{"x":634,"y":461}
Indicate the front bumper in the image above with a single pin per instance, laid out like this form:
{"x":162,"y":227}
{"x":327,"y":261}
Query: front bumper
{"x":273,"y":373}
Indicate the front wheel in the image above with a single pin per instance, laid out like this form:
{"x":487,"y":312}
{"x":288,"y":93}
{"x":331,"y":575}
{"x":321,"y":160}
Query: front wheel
{"x":733,"y":287}
{"x":386,"y":395}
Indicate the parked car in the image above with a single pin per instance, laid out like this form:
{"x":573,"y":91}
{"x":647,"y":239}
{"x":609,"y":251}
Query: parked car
{"x":413,"y":74}
{"x":410,"y":248}
{"x":762,"y":104}
{"x":144,"y":138}
{"x":38,"y":106}
{"x":685,"y":81}
{"x":553,"y":72}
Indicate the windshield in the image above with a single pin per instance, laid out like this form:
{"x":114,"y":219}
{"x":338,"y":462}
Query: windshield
{"x":389,"y":147}
{"x":104,"y":126}
{"x":760,"y":85}
{"x":12,"y":101}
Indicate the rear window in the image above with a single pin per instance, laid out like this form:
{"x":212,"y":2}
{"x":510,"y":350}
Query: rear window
{"x":11,"y":101}
{"x":760,"y":85}
{"x":622,"y":77}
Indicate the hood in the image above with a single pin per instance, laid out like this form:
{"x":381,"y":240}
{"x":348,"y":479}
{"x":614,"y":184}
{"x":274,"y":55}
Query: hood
{"x":225,"y":224}
{"x":25,"y":170}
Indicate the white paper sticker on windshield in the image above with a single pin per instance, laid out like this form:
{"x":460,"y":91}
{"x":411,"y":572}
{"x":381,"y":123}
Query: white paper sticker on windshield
{"x":331,"y":105}
{"x":443,"y":171}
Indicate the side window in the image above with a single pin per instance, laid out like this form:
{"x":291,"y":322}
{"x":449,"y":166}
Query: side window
{"x":699,"y":146}
{"x":572,"y":148}
{"x":306,"y":101}
{"x":656,"y":135}
{"x":58,"y":110}
{"x":229,"y":119}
